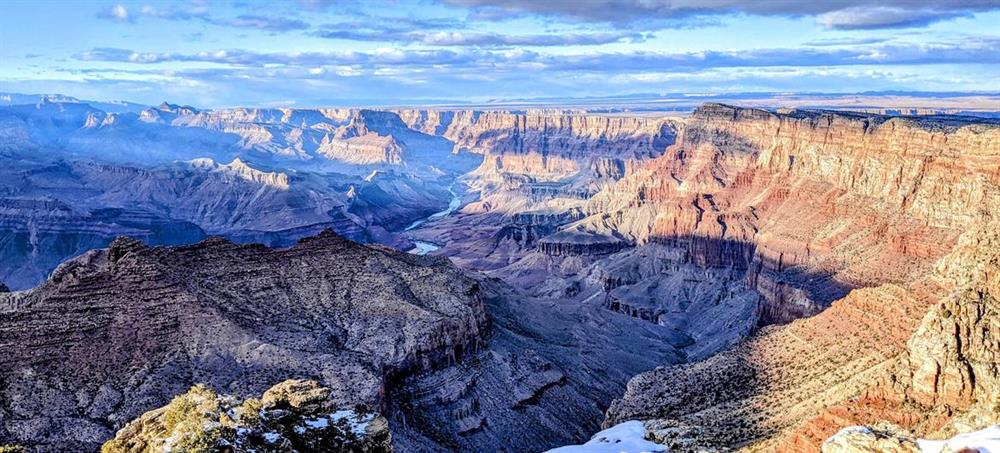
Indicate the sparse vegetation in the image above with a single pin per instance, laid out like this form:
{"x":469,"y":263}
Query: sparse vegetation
{"x":249,"y":413}
{"x":293,"y":415}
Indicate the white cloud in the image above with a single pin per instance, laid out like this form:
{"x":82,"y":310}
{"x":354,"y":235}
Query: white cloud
{"x":117,"y":13}
{"x":883,"y":17}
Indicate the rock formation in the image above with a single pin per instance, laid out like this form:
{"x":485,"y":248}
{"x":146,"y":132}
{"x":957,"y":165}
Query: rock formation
{"x":292,"y":416}
{"x":862,"y":439}
{"x":51,"y":211}
{"x":918,"y":355}
{"x":119,"y":331}
{"x":844,"y":264}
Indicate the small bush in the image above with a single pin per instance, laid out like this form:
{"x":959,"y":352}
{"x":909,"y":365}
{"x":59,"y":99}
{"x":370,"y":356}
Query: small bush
{"x":198,"y":439}
{"x":179,"y":409}
{"x":249,"y":414}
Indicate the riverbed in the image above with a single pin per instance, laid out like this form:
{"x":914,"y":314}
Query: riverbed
{"x":423,"y":247}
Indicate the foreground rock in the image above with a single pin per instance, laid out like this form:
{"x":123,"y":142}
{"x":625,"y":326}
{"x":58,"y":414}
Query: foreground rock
{"x":119,"y":331}
{"x":892,"y":439}
{"x":292,"y":416}
{"x":863,"y":439}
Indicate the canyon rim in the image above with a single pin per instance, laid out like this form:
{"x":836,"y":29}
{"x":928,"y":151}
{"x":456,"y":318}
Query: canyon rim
{"x":500,"y":226}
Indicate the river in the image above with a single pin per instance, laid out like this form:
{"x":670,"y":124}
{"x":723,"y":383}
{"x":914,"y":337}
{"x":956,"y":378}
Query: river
{"x":423,"y":247}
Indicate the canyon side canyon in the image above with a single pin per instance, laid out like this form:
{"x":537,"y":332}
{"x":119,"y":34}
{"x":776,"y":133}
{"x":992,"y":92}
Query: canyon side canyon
{"x":424,"y":280}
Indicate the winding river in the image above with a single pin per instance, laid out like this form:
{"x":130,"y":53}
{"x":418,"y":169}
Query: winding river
{"x":423,"y":247}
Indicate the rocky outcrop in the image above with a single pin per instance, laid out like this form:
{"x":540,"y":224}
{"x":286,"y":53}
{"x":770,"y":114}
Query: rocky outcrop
{"x":295,"y":415}
{"x":861,"y":439}
{"x":566,"y":243}
{"x":119,"y":331}
{"x":917,"y":356}
{"x":240,"y":169}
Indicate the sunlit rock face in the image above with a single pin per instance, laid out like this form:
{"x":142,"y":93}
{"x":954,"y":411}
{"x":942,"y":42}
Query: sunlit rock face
{"x":898,"y":206}
{"x":808,"y":202}
{"x":545,"y":145}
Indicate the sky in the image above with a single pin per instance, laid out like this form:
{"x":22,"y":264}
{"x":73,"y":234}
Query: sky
{"x":218,"y":53}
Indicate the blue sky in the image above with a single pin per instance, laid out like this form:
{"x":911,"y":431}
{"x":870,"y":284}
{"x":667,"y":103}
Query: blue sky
{"x":344,"y":52}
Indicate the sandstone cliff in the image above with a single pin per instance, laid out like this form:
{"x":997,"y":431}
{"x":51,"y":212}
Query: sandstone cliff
{"x":756,"y":218}
{"x":810,"y":203}
{"x":543,"y":144}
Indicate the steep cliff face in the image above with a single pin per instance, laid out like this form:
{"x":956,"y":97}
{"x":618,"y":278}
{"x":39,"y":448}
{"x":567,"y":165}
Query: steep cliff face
{"x":545,"y":144}
{"x":569,"y":134}
{"x":819,"y":200}
{"x":875,"y":202}
{"x":945,"y":382}
{"x":119,"y":331}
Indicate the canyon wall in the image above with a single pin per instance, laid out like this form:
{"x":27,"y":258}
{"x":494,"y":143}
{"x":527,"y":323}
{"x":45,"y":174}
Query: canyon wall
{"x":545,"y":144}
{"x":120,"y":331}
{"x":830,"y":202}
{"x":820,"y":200}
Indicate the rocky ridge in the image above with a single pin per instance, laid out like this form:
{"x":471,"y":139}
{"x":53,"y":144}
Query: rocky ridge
{"x":120,"y":330}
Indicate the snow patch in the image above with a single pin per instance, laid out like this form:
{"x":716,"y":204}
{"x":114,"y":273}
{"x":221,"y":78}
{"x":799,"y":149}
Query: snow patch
{"x":318,"y":423}
{"x":628,"y":437}
{"x":358,"y":424}
{"x":272,"y":437}
{"x":982,"y":441}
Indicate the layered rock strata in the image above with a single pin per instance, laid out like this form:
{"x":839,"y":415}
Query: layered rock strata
{"x":119,"y":331}
{"x":809,"y":204}
{"x":920,"y":355}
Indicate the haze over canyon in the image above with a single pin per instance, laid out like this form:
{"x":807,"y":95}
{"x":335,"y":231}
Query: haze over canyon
{"x":500,"y":226}
{"x":736,"y":277}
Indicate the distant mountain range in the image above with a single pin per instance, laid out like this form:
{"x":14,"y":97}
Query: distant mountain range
{"x":7,"y":99}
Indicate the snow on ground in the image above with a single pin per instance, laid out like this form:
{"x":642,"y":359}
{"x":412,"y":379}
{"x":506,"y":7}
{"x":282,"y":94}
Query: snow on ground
{"x":355,"y":422}
{"x":625,"y":437}
{"x":982,"y":441}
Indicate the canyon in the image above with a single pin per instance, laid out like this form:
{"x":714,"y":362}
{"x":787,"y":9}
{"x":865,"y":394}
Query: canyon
{"x":735,"y":278}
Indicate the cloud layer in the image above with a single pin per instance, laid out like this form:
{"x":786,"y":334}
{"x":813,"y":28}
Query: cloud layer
{"x":981,"y":51}
{"x":315,"y":51}
{"x":839,"y":14}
